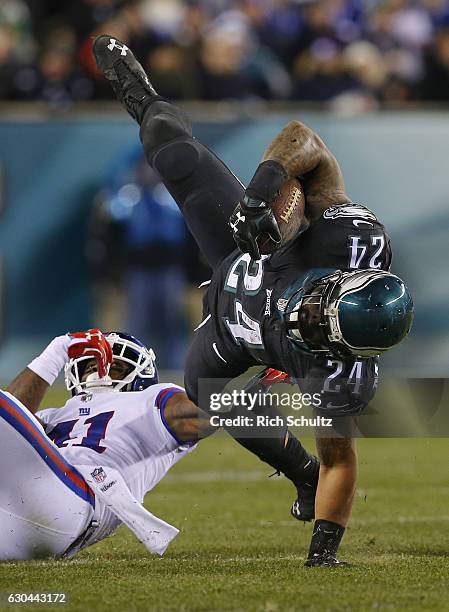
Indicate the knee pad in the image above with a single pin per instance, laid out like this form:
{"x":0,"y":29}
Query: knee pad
{"x":163,"y":122}
{"x":176,"y":160}
{"x":166,"y":135}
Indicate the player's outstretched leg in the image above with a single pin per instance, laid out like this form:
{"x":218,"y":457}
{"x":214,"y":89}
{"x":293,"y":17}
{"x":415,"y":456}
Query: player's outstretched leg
{"x":336,"y":489}
{"x":205,"y":190}
{"x":283,"y":451}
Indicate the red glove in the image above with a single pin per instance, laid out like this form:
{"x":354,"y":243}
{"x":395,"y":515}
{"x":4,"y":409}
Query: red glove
{"x":92,"y":343}
{"x":270,"y":377}
{"x":265,"y":379}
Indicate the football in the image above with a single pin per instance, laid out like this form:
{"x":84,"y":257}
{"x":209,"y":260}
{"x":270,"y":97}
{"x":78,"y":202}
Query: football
{"x":288,"y":208}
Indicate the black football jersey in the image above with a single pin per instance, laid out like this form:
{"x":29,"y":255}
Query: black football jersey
{"x":245,"y":299}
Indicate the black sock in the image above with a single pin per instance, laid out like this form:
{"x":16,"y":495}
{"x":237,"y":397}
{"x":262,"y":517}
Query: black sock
{"x":298,"y":465}
{"x":326,"y":538}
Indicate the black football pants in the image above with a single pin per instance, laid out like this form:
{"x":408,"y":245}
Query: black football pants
{"x":206,"y":192}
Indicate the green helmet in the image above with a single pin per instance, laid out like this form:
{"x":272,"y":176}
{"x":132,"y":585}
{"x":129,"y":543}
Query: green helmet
{"x":362,"y":313}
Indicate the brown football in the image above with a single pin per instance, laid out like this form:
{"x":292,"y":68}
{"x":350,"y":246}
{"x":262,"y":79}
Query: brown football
{"x":288,"y":207}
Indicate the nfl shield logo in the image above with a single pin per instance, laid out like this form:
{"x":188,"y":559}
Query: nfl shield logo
{"x":99,"y":474}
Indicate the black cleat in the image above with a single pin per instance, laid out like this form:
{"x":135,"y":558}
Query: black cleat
{"x":303,"y":509}
{"x":128,"y":79}
{"x":325,"y":561}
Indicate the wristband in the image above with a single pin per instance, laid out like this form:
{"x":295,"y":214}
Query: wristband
{"x":267,"y":181}
{"x":51,"y":361}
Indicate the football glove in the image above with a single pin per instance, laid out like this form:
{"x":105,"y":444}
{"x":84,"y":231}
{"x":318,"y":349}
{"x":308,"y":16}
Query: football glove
{"x":253,"y":216}
{"x":91,"y":343}
{"x":264,"y":380}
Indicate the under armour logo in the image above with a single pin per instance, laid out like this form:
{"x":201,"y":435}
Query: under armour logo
{"x":239,"y":218}
{"x":296,"y":510}
{"x":114,"y":45}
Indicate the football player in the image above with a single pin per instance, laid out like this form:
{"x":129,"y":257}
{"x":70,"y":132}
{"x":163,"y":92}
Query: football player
{"x":321,"y":308}
{"x":71,"y":475}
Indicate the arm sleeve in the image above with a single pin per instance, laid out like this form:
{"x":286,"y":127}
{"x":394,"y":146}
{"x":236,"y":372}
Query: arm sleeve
{"x":156,"y":395}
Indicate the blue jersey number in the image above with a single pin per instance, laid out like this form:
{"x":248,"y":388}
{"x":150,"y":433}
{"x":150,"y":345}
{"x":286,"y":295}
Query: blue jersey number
{"x":61,"y":433}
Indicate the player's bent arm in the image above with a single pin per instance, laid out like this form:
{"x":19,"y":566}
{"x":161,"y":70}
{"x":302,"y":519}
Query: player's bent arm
{"x":29,"y":388}
{"x":303,"y":155}
{"x":187,"y":421}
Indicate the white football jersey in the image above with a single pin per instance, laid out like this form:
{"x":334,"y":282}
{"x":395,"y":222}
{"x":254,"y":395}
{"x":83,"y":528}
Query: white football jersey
{"x":123,"y":430}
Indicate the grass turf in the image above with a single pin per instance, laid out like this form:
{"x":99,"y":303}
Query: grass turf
{"x":239,"y":549}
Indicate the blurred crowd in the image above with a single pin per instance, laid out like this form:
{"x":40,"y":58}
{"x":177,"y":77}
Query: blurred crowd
{"x":145,"y":266}
{"x":347,"y":53}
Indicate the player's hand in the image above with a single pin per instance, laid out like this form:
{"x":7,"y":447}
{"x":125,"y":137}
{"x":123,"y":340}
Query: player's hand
{"x":264,"y":380}
{"x":252,"y":218}
{"x":253,"y":215}
{"x":91,"y":343}
{"x":270,"y":377}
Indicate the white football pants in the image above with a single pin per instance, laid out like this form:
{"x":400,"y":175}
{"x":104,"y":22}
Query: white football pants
{"x":45,"y":504}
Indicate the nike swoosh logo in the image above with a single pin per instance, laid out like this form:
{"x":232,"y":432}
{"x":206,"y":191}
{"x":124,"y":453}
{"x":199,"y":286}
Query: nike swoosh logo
{"x":357,"y":222}
{"x":214,"y":346}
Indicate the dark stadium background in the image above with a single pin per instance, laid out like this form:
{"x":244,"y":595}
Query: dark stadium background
{"x":371,"y":77}
{"x":89,"y":237}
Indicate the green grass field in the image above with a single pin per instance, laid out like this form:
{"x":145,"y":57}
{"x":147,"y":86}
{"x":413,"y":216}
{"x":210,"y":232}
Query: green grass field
{"x":240,"y":550}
